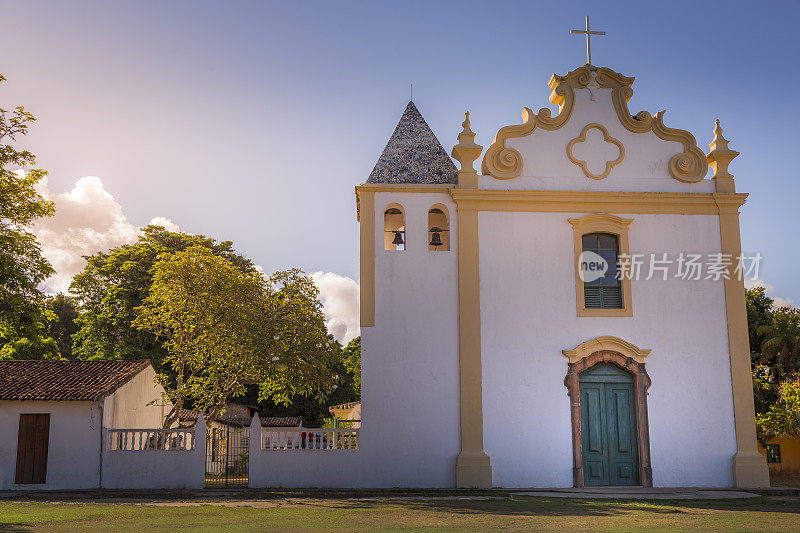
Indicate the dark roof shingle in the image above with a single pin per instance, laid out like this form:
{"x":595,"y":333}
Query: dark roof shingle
{"x":76,"y":381}
{"x":281,"y":422}
{"x":413,"y":154}
{"x":191,"y":416}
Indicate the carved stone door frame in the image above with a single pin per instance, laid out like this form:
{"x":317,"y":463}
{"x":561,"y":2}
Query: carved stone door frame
{"x":641,"y":382}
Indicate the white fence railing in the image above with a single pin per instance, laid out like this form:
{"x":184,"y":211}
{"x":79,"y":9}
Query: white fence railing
{"x":150,"y":439}
{"x":309,"y":439}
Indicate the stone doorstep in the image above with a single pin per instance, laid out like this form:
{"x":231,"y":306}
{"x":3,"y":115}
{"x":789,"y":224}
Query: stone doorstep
{"x":638,"y":493}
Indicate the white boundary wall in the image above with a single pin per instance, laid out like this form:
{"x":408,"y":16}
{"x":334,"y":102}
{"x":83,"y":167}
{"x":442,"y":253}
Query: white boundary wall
{"x":156,"y":468}
{"x":295,"y":468}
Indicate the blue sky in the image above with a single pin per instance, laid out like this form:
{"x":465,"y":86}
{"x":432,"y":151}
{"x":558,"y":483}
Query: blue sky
{"x":253,"y":121}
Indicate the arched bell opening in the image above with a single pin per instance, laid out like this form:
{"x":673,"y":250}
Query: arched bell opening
{"x":394,"y":228}
{"x":438,"y":228}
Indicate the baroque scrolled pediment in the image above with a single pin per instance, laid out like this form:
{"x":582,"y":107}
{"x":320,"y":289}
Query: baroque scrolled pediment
{"x":504,"y":162}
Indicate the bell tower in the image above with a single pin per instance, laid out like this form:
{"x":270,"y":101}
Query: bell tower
{"x":409,"y":307}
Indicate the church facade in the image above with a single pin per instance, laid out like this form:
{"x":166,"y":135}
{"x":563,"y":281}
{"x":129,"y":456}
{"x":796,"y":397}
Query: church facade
{"x":571,"y":315}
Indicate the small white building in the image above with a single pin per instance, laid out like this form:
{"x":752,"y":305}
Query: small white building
{"x":346,"y":414}
{"x":53,"y":413}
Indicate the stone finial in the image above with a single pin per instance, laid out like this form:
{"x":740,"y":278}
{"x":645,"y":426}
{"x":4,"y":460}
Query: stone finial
{"x":466,"y":152}
{"x":719,"y":158}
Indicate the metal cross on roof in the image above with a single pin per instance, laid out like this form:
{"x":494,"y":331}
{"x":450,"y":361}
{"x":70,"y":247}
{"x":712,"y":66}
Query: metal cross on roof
{"x":588,"y":34}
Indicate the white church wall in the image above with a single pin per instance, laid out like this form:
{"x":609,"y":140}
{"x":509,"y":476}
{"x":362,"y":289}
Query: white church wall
{"x":645,"y":166}
{"x":138,"y":404}
{"x":528,"y":315}
{"x":73,"y":454}
{"x":410,"y":387}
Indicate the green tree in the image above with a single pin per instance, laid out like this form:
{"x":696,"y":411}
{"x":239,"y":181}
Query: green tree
{"x":352,"y":362}
{"x":22,"y":266}
{"x":63,"y":325}
{"x":345,"y":368}
{"x":783,"y":418}
{"x":225,"y":328}
{"x":114,"y":284}
{"x":780,"y":348}
{"x":34,"y":346}
{"x":759,"y":314}
{"x":765,"y":388}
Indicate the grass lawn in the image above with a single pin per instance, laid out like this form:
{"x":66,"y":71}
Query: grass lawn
{"x":297,"y":514}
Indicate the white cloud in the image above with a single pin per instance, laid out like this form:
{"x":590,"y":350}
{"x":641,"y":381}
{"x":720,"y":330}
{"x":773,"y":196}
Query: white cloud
{"x":88,"y":220}
{"x":777,"y":301}
{"x":340,"y":303}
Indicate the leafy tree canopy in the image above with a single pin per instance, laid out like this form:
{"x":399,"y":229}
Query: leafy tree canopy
{"x":63,"y":325}
{"x":775,"y":352}
{"x":759,"y":314}
{"x":22,"y":267}
{"x":346,"y":368}
{"x":225,"y":328}
{"x":114,"y":284}
{"x":352,"y":363}
{"x":780,"y":347}
{"x":783,"y":418}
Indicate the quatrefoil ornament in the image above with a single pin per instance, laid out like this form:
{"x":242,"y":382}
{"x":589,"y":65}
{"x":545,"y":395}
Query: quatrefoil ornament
{"x":601,"y":152}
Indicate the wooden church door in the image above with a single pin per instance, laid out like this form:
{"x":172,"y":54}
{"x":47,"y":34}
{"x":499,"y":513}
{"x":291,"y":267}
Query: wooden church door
{"x":608,"y":426}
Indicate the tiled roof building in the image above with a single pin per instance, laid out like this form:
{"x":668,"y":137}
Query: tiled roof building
{"x":76,"y":381}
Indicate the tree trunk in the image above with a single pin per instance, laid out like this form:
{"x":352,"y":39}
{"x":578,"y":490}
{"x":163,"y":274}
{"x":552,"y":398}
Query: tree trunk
{"x":175,"y":412}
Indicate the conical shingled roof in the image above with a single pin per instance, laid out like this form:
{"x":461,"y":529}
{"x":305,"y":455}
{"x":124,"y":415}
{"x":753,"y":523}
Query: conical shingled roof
{"x":413,"y":154}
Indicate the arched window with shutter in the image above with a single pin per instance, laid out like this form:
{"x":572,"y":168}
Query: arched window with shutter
{"x":601,"y":241}
{"x":605,"y":292}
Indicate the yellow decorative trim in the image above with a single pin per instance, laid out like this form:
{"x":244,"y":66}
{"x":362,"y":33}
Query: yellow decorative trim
{"x":366,"y":202}
{"x":608,"y":138}
{"x":503,"y":162}
{"x":749,"y":467}
{"x":689,"y":166}
{"x":601,"y":223}
{"x":598,"y":201}
{"x":405,"y":187}
{"x":473,"y":468}
{"x":719,"y":158}
{"x":606,"y":342}
{"x":466,"y":151}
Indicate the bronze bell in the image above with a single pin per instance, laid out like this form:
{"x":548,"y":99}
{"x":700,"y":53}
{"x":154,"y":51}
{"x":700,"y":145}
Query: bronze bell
{"x":436,"y":238}
{"x":398,"y":238}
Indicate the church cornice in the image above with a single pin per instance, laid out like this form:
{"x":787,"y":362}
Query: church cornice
{"x":598,"y":201}
{"x":503,"y":162}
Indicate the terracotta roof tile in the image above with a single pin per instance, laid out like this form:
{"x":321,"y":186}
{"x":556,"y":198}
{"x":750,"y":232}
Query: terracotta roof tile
{"x":67,"y":381}
{"x":189,"y":415}
{"x":281,"y":422}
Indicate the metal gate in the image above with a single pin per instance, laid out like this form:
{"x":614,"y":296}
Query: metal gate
{"x":227,"y":456}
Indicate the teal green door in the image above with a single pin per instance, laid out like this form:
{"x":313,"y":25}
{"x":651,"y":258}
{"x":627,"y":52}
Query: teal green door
{"x":608,"y":426}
